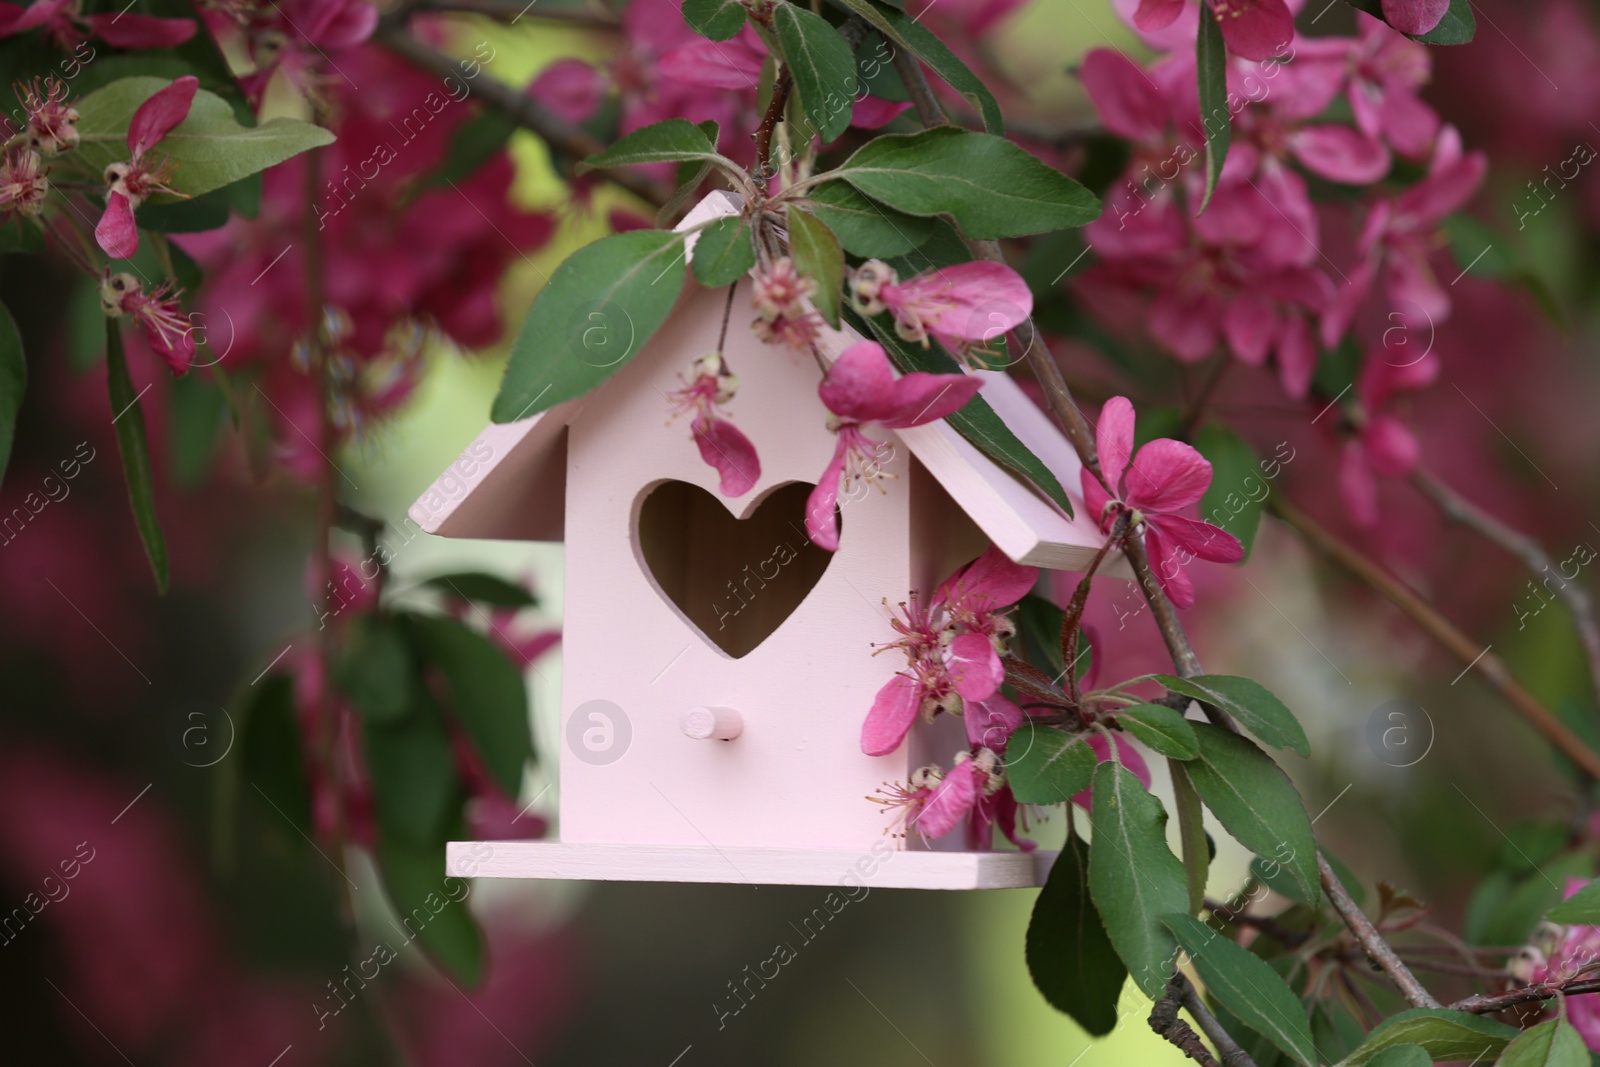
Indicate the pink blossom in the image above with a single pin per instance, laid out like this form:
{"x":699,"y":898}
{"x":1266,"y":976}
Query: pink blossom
{"x":166,"y":328}
{"x":23,"y":184}
{"x":784,"y":316}
{"x":67,"y":28}
{"x":1561,"y":954}
{"x":298,"y":37}
{"x":1401,"y":236}
{"x":963,"y":307}
{"x":1254,"y":29}
{"x":569,"y":88}
{"x":1164,"y":478}
{"x":952,"y":647}
{"x":130,"y":183}
{"x":1386,"y":72}
{"x":861,"y":388}
{"x":52,"y":122}
{"x":721,"y":443}
{"x":1382,"y":445}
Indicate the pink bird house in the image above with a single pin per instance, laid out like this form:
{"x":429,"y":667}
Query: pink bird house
{"x":722,"y":614}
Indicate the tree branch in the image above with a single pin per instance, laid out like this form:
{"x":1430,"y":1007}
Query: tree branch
{"x":1489,"y":1003}
{"x":1164,"y":1020}
{"x":1372,"y":942}
{"x":1184,"y":992}
{"x":517,"y":106}
{"x":781,"y":88}
{"x":929,"y":113}
{"x":1441,"y":630}
{"x":1459,"y":509}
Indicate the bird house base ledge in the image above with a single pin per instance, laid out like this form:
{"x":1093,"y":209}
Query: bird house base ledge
{"x":892,"y":869}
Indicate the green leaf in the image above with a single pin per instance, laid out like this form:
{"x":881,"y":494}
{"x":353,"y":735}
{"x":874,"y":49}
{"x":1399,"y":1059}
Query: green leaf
{"x":1445,"y":1035}
{"x":128,"y":420}
{"x":1553,"y":1043}
{"x":724,"y":253}
{"x":269,"y":738}
{"x":485,"y":690}
{"x":1161,"y":730}
{"x":1248,"y":701}
{"x":431,"y":908}
{"x":18,"y":234}
{"x":13,"y":382}
{"x":1335,"y":1032}
{"x":374,"y":670}
{"x":1402,"y":1056}
{"x":662,"y":142}
{"x":976,"y":420}
{"x":210,"y":148}
{"x":413,"y":773}
{"x":990,"y":187}
{"x":1211,"y":64}
{"x":1580,"y":909}
{"x":1457,"y":27}
{"x":1134,"y":876}
{"x":1236,"y":475}
{"x":1046,"y":766}
{"x":906,"y":32}
{"x":1255,"y":802}
{"x":875,"y":67}
{"x":817,"y":255}
{"x":822,"y":65}
{"x":598,"y":309}
{"x":1071,"y":960}
{"x":483,"y":588}
{"x":864,"y":227}
{"x":1248,"y":987}
{"x":718,"y":20}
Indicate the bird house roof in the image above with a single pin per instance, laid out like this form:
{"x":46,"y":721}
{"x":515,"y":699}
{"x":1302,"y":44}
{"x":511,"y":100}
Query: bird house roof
{"x":510,"y":483}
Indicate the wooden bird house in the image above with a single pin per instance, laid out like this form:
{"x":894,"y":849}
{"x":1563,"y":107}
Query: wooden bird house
{"x":717,"y":665}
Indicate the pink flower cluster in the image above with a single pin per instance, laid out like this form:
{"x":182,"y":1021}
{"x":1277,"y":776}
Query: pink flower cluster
{"x":400,"y":254}
{"x":1560,"y":954}
{"x":1255,"y":273}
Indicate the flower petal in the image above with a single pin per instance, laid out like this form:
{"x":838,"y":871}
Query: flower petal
{"x":1392,"y":449}
{"x":570,"y":88}
{"x":116,"y":233}
{"x":158,"y":115}
{"x":921,"y":398}
{"x":860,"y":384}
{"x":1166,"y":475}
{"x":1157,"y":14}
{"x":976,"y":301}
{"x":990,"y":723}
{"x":1171,"y":573}
{"x":988,"y":583}
{"x":891,"y":716}
{"x":127,"y":30}
{"x":1251,"y":324}
{"x":1297,"y":356}
{"x":1130,"y":105}
{"x":974,"y":666}
{"x":1415,"y":17}
{"x":725,"y":447}
{"x":1198,"y":538}
{"x":713,"y":65}
{"x":822,"y":523}
{"x":952,"y":798}
{"x":1340,"y":154}
{"x":1113,"y":439}
{"x":870,"y":112}
{"x":1255,"y":29}
{"x":1357,"y":485}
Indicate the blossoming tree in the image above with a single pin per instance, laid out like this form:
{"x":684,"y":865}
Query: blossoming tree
{"x":1259,"y":196}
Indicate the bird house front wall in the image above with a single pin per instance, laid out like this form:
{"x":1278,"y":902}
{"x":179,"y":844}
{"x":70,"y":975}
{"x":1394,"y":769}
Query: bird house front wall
{"x":635,"y":663}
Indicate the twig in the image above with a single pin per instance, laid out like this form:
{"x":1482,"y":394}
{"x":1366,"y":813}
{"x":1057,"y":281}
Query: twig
{"x":516,"y":10}
{"x":516,"y":105}
{"x":1184,"y":992}
{"x":769,"y":122}
{"x":1489,"y":1003}
{"x":1266,"y":924}
{"x":1486,"y":664}
{"x":1459,"y":509}
{"x":1372,"y":942}
{"x":1164,"y":1020}
{"x":929,"y":113}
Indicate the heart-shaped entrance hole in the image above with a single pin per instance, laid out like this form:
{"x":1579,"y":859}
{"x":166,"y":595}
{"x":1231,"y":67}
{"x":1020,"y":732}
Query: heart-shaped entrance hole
{"x":735,"y":580}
